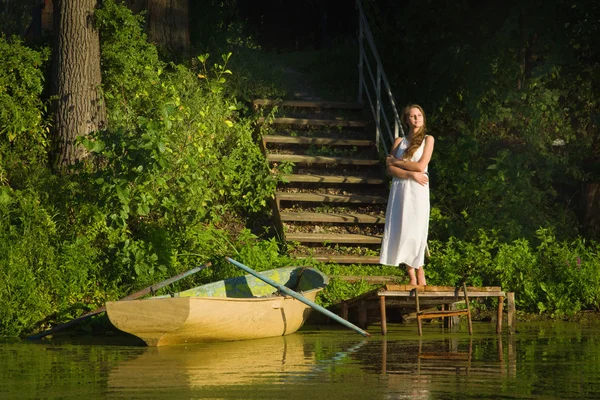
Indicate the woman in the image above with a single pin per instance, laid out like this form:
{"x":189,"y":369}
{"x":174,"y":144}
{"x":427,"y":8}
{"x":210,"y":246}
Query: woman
{"x":407,"y":215}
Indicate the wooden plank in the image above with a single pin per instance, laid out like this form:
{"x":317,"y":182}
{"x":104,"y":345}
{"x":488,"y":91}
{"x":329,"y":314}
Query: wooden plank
{"x":330,"y":198}
{"x":339,"y":218}
{"x":368,"y":279}
{"x":410,"y":303}
{"x":441,"y":313}
{"x":432,"y":288}
{"x":301,"y":178}
{"x":499,"y":315}
{"x":308,"y":104}
{"x":512,"y":312}
{"x":333,"y":238}
{"x":383,"y":315}
{"x":406,"y":303}
{"x":445,"y":355}
{"x":315,"y":122}
{"x":316,"y":140}
{"x":448,"y":295}
{"x":300,"y":159}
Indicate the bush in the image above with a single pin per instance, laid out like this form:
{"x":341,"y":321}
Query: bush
{"x":557,"y":277}
{"x":23,"y":129}
{"x":43,"y":276}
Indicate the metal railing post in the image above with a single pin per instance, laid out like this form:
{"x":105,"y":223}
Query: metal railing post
{"x":373,"y":88}
{"x":378,"y":106}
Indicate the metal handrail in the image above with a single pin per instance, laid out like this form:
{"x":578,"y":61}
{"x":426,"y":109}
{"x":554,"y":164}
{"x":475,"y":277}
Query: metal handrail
{"x":364,"y":32}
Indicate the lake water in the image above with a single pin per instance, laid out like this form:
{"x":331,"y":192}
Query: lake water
{"x":541,"y":361}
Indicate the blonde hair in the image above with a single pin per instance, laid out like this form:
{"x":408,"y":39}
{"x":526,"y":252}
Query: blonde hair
{"x":418,"y":136}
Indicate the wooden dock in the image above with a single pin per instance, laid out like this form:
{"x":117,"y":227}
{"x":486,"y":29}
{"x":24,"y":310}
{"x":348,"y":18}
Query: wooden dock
{"x":439,"y":302}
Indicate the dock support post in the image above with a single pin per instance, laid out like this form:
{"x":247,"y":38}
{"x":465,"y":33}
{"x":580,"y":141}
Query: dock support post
{"x":453,"y":321}
{"x":383,"y":315}
{"x":419,"y":324}
{"x":499,"y":321}
{"x":445,"y":319}
{"x":468,"y":308}
{"x":384,"y":357}
{"x":362,"y":314}
{"x":344,"y":311}
{"x":510,"y":299}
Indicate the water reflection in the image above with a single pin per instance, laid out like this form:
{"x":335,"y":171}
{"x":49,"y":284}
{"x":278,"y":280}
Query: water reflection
{"x":404,"y":367}
{"x":425,"y":368}
{"x":215,"y":364}
{"x":547,"y":361}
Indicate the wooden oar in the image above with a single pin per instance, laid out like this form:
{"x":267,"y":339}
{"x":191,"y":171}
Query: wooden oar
{"x":136,"y":295}
{"x":297,"y":296}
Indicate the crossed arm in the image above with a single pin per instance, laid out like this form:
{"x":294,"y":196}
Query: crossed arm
{"x":403,"y":169}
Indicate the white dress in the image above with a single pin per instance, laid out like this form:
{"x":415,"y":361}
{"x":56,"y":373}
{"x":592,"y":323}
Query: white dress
{"x":406,"y":219}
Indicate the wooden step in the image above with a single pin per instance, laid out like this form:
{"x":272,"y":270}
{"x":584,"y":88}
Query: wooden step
{"x":330,"y":198}
{"x":300,"y":159}
{"x":315,"y":122}
{"x":307,"y":104}
{"x":316,"y":141}
{"x":333,"y":238}
{"x":302,"y":178}
{"x":340,"y":218}
{"x":372,"y":279}
{"x":348,"y":259}
{"x":351,"y":259}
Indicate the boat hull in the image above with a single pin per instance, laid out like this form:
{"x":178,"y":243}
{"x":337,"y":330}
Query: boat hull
{"x":173,"y":321}
{"x":190,"y":317}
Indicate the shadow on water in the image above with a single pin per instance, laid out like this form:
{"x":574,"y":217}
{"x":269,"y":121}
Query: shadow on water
{"x":542,"y":361}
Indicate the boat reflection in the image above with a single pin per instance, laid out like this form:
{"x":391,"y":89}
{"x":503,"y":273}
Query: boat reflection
{"x":216,"y":363}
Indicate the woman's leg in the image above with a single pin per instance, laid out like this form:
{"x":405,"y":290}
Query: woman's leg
{"x":411,"y":275}
{"x":421,"y":276}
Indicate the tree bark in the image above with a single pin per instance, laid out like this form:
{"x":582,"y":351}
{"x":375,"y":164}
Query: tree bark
{"x":591,"y":205}
{"x":168,"y":22}
{"x":79,"y":107}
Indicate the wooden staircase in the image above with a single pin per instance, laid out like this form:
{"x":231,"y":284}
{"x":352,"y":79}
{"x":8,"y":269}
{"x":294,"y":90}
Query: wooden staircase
{"x":331,"y":203}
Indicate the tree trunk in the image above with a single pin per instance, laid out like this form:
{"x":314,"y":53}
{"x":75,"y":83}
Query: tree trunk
{"x":79,"y":107}
{"x":591,"y":208}
{"x":168,"y":22}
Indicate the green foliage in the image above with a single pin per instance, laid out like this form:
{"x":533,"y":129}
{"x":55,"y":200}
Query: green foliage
{"x":168,"y":179}
{"x":218,"y":29}
{"x":338,"y":290}
{"x":23,"y":130}
{"x":176,"y":175}
{"x":176,"y":156}
{"x":258,"y":75}
{"x":479,"y":185}
{"x":558,"y":277}
{"x":42,"y":274}
{"x":500,"y":117}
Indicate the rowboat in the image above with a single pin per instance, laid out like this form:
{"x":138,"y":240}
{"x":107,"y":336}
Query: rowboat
{"x":238,"y":308}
